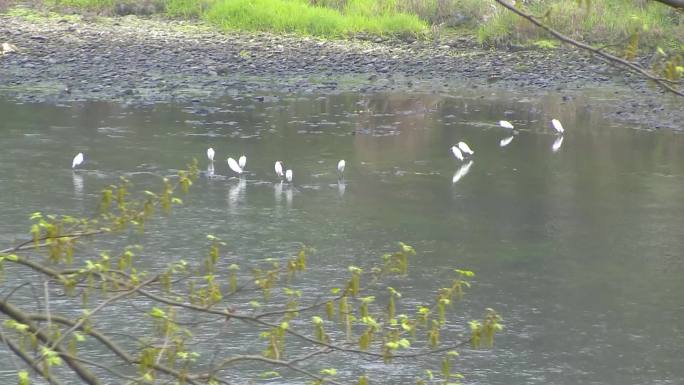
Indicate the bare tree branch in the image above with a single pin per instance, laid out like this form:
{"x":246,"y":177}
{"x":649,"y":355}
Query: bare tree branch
{"x":101,"y":306}
{"x":19,"y":316}
{"x":288,"y":364}
{"x":109,"y":343}
{"x":29,"y":361}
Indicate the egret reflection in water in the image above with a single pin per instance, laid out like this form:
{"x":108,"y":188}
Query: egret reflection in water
{"x":288,"y":195}
{"x":341,"y":187}
{"x":278,"y":191}
{"x":461,"y":172}
{"x":506,"y":141}
{"x":236,"y":192}
{"x":557,"y":144}
{"x":78,"y":184}
{"x":210,"y":169}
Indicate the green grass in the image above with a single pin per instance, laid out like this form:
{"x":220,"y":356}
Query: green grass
{"x":186,"y":9}
{"x":605,"y":21}
{"x":612,"y":21}
{"x":300,"y":17}
{"x":84,"y":4}
{"x":32,"y":15}
{"x":290,"y":16}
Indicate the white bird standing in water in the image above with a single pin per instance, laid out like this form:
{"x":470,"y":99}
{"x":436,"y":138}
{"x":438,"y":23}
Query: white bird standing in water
{"x":463,"y":146}
{"x":210,"y":154}
{"x":506,"y":124}
{"x":234,"y":166}
{"x":288,"y":175}
{"x":340,"y":168}
{"x":557,"y":126}
{"x":279,"y":169}
{"x":78,"y":160}
{"x":457,"y":153}
{"x":242,"y":162}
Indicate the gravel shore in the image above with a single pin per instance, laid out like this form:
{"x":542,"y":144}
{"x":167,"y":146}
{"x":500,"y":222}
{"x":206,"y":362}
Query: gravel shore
{"x":133,"y":60}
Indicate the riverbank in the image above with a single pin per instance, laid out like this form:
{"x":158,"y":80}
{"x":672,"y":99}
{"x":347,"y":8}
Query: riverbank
{"x":140,"y":61}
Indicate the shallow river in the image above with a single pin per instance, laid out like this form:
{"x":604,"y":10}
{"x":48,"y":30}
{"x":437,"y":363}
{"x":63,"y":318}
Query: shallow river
{"x":579,"y":247}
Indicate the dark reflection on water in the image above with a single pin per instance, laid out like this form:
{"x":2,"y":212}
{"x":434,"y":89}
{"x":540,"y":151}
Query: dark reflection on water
{"x":576,"y":241}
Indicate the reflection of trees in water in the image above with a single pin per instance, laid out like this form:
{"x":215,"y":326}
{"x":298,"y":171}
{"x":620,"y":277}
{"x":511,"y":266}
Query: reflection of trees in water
{"x":402,"y":119}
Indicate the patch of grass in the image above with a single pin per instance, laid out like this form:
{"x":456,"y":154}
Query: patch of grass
{"x":308,"y":17}
{"x":431,"y":11}
{"x":83,"y":4}
{"x":545,"y":44}
{"x":36,"y":15}
{"x":300,"y":17}
{"x":187,"y":9}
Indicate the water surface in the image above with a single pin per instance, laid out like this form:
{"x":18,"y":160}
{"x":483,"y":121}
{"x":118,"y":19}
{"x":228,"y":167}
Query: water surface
{"x":580,"y":249}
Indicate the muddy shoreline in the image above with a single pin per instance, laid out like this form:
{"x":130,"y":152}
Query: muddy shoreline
{"x":141,"y":61}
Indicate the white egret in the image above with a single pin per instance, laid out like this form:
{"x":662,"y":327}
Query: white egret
{"x":505,"y":141}
{"x":557,"y":144}
{"x":461,"y":172}
{"x":288,"y":175}
{"x":234,"y":166}
{"x":340,"y":167}
{"x":78,"y":160}
{"x":242,"y":162}
{"x":457,"y":153}
{"x":210,"y":154}
{"x":279,"y":169}
{"x":506,"y":124}
{"x":558,"y":126}
{"x":463,"y":146}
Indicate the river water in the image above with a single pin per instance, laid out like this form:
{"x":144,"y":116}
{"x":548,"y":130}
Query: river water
{"x":578,"y":247}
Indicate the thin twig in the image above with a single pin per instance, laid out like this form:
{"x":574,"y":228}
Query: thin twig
{"x":83,"y":319}
{"x":29,"y":361}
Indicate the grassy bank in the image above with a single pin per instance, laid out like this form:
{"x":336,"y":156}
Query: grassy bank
{"x":296,"y":16}
{"x":605,"y":21}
